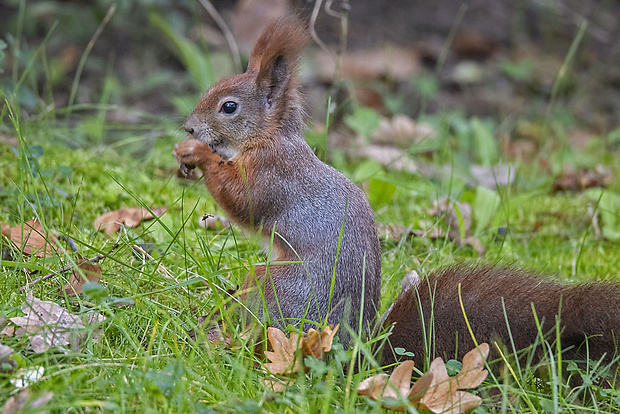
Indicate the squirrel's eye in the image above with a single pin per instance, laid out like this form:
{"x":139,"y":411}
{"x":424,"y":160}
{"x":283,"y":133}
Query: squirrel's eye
{"x":229,"y":107}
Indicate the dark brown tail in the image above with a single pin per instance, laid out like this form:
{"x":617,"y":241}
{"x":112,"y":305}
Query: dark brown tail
{"x":428,"y":320}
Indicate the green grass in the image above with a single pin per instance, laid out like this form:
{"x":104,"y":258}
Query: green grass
{"x":146,"y":362}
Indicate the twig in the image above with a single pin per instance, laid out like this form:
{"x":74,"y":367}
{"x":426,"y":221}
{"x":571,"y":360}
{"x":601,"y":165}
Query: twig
{"x":230,"y":39}
{"x":313,"y":34}
{"x":70,"y":266}
{"x":162,"y":269}
{"x":70,"y":242}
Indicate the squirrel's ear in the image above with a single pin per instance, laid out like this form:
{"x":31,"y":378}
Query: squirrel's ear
{"x":275,"y":56}
{"x":275,"y":79}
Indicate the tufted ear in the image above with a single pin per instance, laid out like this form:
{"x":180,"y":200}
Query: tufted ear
{"x":275,"y":57}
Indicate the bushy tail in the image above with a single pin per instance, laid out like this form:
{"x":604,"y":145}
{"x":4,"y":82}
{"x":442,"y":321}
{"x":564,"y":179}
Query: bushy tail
{"x":499,"y":303}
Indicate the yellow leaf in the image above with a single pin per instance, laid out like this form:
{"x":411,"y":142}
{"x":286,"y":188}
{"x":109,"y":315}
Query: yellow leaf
{"x":317,"y":343}
{"x":327,"y":337}
{"x":312,"y":344}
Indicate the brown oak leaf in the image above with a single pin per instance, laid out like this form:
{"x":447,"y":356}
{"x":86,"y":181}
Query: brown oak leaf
{"x":24,"y":402}
{"x":5,"y":230}
{"x":582,"y":180}
{"x":288,"y":353}
{"x":318,"y":343}
{"x":285,"y":357}
{"x":394,"y":390}
{"x":435,"y":390}
{"x":445,"y":395}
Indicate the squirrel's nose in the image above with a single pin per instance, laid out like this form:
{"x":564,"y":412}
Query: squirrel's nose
{"x":190,"y":124}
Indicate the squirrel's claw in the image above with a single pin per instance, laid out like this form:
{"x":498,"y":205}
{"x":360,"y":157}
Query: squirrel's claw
{"x":186,"y":169}
{"x":184,"y":153}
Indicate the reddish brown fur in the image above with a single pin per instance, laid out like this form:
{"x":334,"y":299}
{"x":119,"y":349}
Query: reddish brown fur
{"x":591,"y":310}
{"x":284,"y":37}
{"x":228,"y":183}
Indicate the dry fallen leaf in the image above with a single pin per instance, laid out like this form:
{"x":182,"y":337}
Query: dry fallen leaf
{"x":284,"y":357}
{"x":288,"y":353}
{"x":581,"y":180}
{"x":397,"y":63}
{"x":5,"y":229}
{"x":492,"y":177}
{"x":30,"y":238}
{"x":419,"y":389}
{"x":472,"y":372}
{"x":373,"y":387}
{"x":399,"y":382}
{"x":83,"y":272}
{"x":455,"y":215}
{"x":47,"y":325}
{"x":471,"y":44}
{"x":213,"y":329}
{"x":393,"y":232}
{"x":8,"y":331}
{"x":318,"y":343}
{"x":448,"y":211}
{"x":444,"y":395}
{"x":250,"y":17}
{"x":9,"y":140}
{"x":24,"y":402}
{"x":396,"y":233}
{"x":402,"y":131}
{"x":390,"y":157}
{"x":276,"y":384}
{"x":434,"y":390}
{"x":393,"y":390}
{"x":129,"y":216}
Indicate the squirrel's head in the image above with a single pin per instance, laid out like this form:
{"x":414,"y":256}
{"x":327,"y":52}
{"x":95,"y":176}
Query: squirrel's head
{"x":250,"y":109}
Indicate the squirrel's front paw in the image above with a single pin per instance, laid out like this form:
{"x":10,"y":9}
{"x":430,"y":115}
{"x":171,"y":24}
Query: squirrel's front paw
{"x":188,"y":153}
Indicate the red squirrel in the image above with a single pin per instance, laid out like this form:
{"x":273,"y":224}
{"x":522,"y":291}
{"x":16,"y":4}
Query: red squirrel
{"x":248,"y":140}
